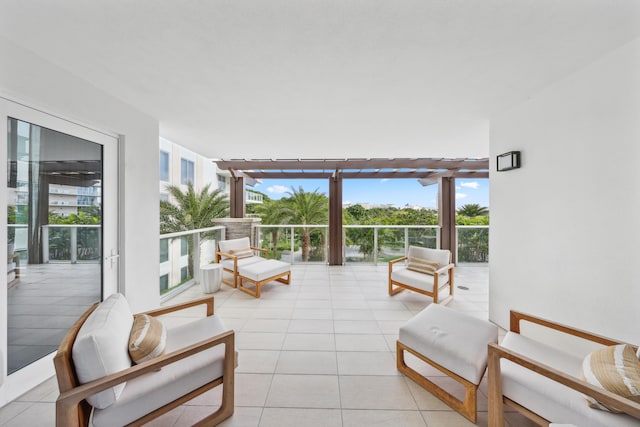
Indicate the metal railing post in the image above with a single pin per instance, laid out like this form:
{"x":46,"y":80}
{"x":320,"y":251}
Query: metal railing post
{"x":45,"y":244}
{"x":196,"y":257}
{"x":406,"y":241}
{"x":74,"y":245}
{"x":375,"y":245}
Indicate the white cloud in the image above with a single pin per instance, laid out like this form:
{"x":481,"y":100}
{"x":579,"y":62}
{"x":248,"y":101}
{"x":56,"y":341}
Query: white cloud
{"x":472,"y":184}
{"x":460,"y":195}
{"x":384,"y":180}
{"x":277,"y":189}
{"x":458,"y":187}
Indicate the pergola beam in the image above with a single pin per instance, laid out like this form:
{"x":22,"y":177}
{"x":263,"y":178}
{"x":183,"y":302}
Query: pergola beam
{"x":350,"y":164}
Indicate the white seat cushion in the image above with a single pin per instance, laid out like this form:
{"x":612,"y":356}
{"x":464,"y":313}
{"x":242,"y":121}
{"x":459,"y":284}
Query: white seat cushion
{"x":101,"y":347}
{"x":549,"y":399}
{"x":155,"y":389}
{"x":454,"y":340}
{"x":227,"y":246}
{"x":263,"y":270}
{"x":418,"y":280}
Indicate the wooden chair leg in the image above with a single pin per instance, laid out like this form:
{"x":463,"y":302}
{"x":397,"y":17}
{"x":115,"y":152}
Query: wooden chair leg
{"x":496,"y":404}
{"x":467,"y":407}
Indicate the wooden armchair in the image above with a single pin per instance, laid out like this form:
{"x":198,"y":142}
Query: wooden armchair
{"x":403,"y":276}
{"x":541,"y":382}
{"x":152,"y":388}
{"x":235,"y":253}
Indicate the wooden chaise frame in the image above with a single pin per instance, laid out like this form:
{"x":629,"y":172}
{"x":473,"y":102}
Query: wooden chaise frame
{"x":256,"y":293}
{"x":234,"y":282}
{"x":467,"y":407}
{"x":433,"y":294}
{"x":72,"y":410}
{"x":496,"y":352}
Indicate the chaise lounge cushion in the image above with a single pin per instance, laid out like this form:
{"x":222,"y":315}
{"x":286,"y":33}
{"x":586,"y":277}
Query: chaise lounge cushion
{"x":549,"y":399}
{"x":156,"y":389}
{"x":101,"y":347}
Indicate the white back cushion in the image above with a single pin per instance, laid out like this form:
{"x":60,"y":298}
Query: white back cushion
{"x":227,"y":246}
{"x":441,"y":256}
{"x":101,"y":347}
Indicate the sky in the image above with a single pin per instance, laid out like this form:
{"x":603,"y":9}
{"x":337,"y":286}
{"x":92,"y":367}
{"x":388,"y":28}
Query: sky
{"x":398,"y":192}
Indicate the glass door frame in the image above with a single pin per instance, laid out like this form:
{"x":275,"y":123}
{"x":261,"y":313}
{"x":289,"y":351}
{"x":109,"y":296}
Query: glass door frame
{"x":26,"y":378}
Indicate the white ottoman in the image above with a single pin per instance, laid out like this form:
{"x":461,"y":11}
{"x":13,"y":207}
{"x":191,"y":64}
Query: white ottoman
{"x":263,"y":272}
{"x":454,"y":343}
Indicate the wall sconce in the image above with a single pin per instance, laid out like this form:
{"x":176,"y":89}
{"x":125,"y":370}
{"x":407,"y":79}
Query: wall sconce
{"x":508,"y":161}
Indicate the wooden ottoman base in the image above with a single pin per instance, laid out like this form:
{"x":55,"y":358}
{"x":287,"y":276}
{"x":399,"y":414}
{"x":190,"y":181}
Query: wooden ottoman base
{"x":254,"y":273}
{"x":466,"y":407}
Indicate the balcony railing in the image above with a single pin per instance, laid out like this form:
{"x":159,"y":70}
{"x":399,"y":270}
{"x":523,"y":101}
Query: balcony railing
{"x":62,"y":243}
{"x":182,"y":254}
{"x":371,"y":244}
{"x":473,"y":243}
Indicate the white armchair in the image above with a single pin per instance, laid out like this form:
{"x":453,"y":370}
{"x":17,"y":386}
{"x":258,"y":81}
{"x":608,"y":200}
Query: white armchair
{"x":426,"y":271}
{"x":236,"y":253}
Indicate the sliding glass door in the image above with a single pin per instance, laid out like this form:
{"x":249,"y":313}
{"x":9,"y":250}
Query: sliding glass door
{"x":61,"y":228}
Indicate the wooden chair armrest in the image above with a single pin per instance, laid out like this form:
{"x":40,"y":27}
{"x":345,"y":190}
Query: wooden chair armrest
{"x":77,"y":394}
{"x":226,"y":255}
{"x":208,"y":301}
{"x":601,"y":395}
{"x":263,"y":251}
{"x":516,"y":317}
{"x":393,"y":261}
{"x":444,"y":269}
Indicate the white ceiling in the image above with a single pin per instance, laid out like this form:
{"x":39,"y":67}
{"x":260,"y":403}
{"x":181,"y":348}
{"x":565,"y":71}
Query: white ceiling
{"x":322,"y":78}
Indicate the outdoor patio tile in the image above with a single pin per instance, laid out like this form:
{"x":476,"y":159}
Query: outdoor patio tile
{"x":313,"y":313}
{"x":356,"y":327}
{"x":310,"y":326}
{"x":259,"y":340}
{"x":324,"y":303}
{"x":451,"y":419}
{"x":304,"y":391}
{"x":257,"y":361}
{"x":360,"y":342}
{"x":243,"y":417}
{"x":266,"y":325}
{"x":381,"y":418}
{"x":312,"y":342}
{"x":12,"y":410}
{"x":352,"y":314}
{"x":366,"y":363}
{"x":424,"y":399}
{"x":33,"y":415}
{"x":307,"y":362}
{"x":402,"y":315}
{"x":293,"y":417}
{"x":376,"y":392}
{"x":272,"y":313}
{"x":251,"y":389}
{"x":350,"y":304}
{"x":390,"y":326}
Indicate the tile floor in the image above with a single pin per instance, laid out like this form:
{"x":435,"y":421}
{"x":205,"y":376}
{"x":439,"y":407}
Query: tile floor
{"x":320,"y":352}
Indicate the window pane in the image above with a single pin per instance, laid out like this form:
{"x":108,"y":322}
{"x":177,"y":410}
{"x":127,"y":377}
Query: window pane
{"x":186,"y":171}
{"x":164,"y":250}
{"x":164,"y":166}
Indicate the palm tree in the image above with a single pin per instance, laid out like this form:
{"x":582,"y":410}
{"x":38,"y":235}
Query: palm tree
{"x":306,"y":209}
{"x":472,"y":210}
{"x":272,"y":212}
{"x":192,"y":210}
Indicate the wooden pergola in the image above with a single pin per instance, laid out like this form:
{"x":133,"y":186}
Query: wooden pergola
{"x":427,"y":171}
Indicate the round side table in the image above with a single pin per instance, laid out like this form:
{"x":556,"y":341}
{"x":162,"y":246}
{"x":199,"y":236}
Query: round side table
{"x":211,"y":277}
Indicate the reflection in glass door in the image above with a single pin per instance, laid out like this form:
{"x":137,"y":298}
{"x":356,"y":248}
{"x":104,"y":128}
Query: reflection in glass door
{"x":54,"y":237}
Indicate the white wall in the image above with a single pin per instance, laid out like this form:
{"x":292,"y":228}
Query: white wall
{"x":565,"y":230}
{"x":36,"y":83}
